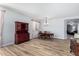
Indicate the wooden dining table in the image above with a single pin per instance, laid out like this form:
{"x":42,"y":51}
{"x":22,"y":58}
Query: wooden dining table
{"x":46,"y":35}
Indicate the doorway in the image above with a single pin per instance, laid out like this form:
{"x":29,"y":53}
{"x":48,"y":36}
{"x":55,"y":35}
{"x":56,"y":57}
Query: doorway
{"x":72,"y":28}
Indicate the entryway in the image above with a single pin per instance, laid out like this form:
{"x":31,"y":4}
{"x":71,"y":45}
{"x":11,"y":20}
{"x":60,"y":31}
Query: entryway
{"x":72,"y":28}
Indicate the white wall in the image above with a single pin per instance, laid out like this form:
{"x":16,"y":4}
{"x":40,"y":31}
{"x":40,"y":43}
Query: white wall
{"x":55,"y":26}
{"x":9,"y":26}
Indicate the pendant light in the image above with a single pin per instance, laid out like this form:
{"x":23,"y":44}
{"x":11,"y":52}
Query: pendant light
{"x":46,"y":21}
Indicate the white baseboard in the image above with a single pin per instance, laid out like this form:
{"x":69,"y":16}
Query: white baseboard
{"x":60,"y":37}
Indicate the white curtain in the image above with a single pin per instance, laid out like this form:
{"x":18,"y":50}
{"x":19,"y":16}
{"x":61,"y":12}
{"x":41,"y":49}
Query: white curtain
{"x":36,"y":28}
{"x":2,"y":12}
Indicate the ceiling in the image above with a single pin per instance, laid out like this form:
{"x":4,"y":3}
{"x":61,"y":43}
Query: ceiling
{"x":41,"y":10}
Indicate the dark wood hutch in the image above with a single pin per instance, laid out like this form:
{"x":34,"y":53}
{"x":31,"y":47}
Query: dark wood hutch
{"x":21,"y":32}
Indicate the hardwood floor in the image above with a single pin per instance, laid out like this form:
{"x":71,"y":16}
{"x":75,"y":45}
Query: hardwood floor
{"x":38,"y":47}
